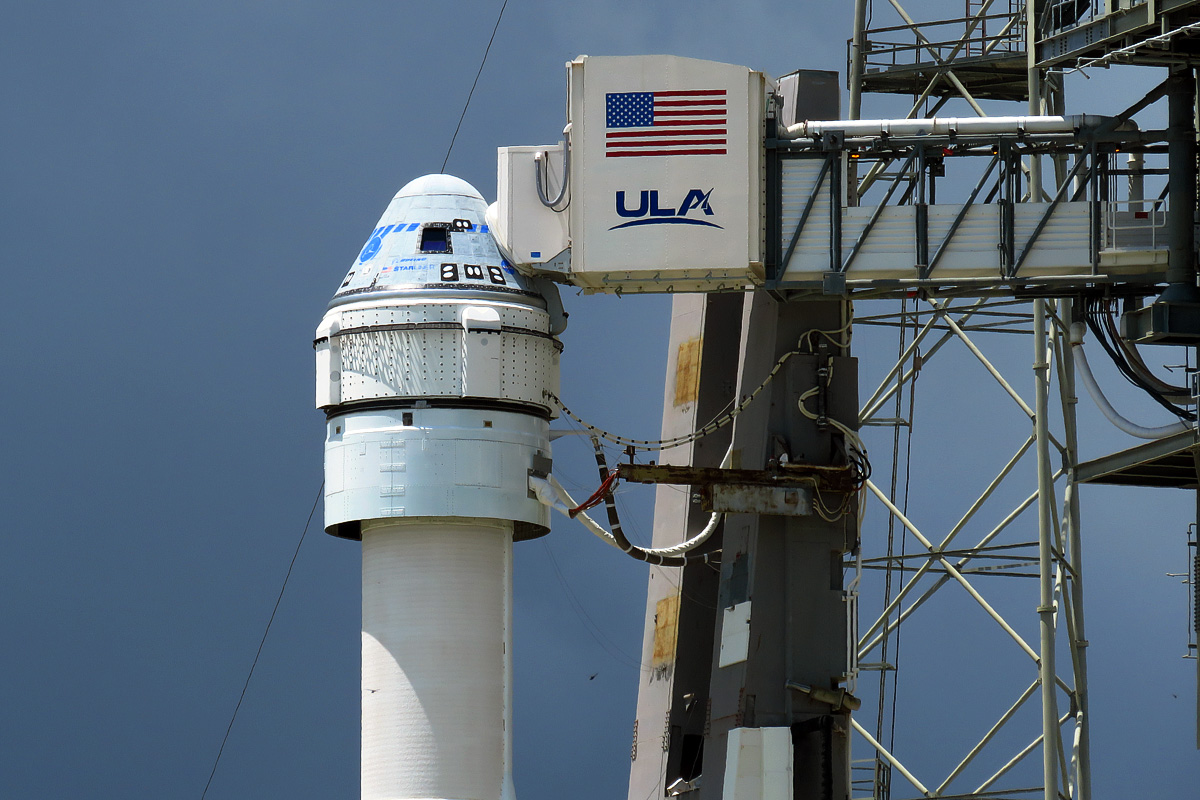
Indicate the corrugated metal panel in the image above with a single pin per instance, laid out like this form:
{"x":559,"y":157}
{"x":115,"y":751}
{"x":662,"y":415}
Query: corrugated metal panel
{"x":889,"y":251}
{"x":812,"y":249}
{"x":1064,"y":245}
{"x":436,"y":659}
{"x":974,"y":250}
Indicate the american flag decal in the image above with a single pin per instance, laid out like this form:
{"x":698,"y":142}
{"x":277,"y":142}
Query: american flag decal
{"x":683,"y":123}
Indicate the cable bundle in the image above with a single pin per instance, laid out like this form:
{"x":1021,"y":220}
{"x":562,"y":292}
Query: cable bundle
{"x":1099,"y":315}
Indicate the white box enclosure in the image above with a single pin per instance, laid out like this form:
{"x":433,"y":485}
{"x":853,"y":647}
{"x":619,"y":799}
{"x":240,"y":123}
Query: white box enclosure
{"x":665,"y":177}
{"x":532,"y":232}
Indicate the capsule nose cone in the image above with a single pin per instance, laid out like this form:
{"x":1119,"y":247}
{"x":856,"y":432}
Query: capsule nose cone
{"x":438,"y":184}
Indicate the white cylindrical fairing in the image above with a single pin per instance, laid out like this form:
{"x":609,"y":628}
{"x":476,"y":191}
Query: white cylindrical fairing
{"x":436,"y":659}
{"x":434,"y":364}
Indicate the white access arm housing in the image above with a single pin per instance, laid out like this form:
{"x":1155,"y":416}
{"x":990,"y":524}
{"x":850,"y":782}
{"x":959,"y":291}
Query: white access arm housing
{"x":665,"y":187}
{"x":672,"y":185}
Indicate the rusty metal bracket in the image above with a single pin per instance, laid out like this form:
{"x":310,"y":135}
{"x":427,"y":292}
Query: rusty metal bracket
{"x":794,"y":474}
{"x":786,"y":490}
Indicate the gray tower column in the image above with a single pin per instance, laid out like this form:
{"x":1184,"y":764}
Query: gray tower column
{"x":669,"y":731}
{"x":782,"y":575}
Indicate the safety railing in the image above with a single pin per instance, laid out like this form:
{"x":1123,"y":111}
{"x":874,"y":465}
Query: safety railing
{"x":1135,"y":225}
{"x":913,"y":229}
{"x":1059,"y":15}
{"x":945,"y":40}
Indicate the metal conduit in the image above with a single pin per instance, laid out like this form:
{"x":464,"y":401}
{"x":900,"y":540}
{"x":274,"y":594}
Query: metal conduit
{"x":946,"y":125}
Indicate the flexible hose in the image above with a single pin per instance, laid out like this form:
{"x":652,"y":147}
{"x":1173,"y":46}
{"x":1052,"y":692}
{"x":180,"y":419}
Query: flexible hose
{"x":537,"y":168}
{"x":1110,"y":413}
{"x":551,"y":493}
{"x":614,"y":522}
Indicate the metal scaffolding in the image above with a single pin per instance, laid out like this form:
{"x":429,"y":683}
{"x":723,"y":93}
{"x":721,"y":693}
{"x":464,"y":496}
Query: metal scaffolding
{"x":1059,"y":222}
{"x":993,"y":52}
{"x":1053,"y":556}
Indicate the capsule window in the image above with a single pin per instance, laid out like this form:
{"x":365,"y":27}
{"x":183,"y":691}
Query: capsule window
{"x":435,"y":240}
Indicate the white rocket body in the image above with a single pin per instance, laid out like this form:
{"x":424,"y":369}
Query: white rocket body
{"x":432,"y":364}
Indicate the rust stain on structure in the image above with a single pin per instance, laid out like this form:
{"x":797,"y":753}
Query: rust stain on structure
{"x":687,"y":371}
{"x":666,"y":619}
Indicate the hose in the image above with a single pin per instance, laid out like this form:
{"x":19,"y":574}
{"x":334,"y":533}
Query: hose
{"x":537,"y":168}
{"x":1110,"y":413}
{"x":551,"y":493}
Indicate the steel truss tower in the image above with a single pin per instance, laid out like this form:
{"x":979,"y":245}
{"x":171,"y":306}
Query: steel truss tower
{"x":989,"y":50}
{"x":1035,"y":535}
{"x":1014,"y":51}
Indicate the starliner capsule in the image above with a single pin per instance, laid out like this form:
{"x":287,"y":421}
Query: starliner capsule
{"x":433,"y":363}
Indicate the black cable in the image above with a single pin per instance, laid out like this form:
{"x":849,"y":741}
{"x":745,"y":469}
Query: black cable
{"x":631,"y":549}
{"x":1094,"y":324}
{"x":1135,"y":361}
{"x":1097,"y":321}
{"x":889,"y":569}
{"x":253,"y":664}
{"x":912,"y":417}
{"x":615,"y":651}
{"x":486,"y":50}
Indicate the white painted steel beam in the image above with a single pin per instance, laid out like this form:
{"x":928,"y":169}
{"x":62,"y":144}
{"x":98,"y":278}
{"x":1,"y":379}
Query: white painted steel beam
{"x":932,"y":126}
{"x":1047,"y":606}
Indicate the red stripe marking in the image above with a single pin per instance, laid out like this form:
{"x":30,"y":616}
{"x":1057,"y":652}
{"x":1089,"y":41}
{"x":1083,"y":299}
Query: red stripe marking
{"x":672,"y":143}
{"x":696,"y":132}
{"x":692,"y":93}
{"x":716,"y":101}
{"x":709,"y":121}
{"x":668,"y":153}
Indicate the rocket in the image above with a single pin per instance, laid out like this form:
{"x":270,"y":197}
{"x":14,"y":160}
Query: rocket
{"x":433,"y":362}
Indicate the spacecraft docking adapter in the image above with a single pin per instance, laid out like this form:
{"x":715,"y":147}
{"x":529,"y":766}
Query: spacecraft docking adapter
{"x":433,"y":361}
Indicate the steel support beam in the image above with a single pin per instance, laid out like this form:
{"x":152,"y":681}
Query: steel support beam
{"x":1066,"y":764}
{"x":783,"y":575}
{"x":1181,"y":159}
{"x":858,"y":57}
{"x":1081,"y":750}
{"x":1046,"y":607}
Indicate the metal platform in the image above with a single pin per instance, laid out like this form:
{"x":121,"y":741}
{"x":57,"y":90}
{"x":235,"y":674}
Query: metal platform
{"x":1167,"y":463}
{"x":985,"y":52}
{"x":1147,"y":32}
{"x":912,"y":238}
{"x":992,"y":77}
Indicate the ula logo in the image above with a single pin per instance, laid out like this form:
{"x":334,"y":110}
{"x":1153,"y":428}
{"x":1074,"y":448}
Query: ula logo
{"x":648,"y":211}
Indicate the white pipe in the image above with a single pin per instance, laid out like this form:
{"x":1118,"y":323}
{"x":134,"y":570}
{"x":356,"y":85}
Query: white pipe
{"x":943,"y":125}
{"x":564,"y":505}
{"x":547,"y":489}
{"x":437,"y":659}
{"x":1110,"y":413}
{"x":1135,"y":163}
{"x":691,"y":544}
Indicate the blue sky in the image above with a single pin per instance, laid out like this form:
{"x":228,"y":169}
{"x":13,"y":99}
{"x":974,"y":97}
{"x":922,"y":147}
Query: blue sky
{"x":184,"y":185}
